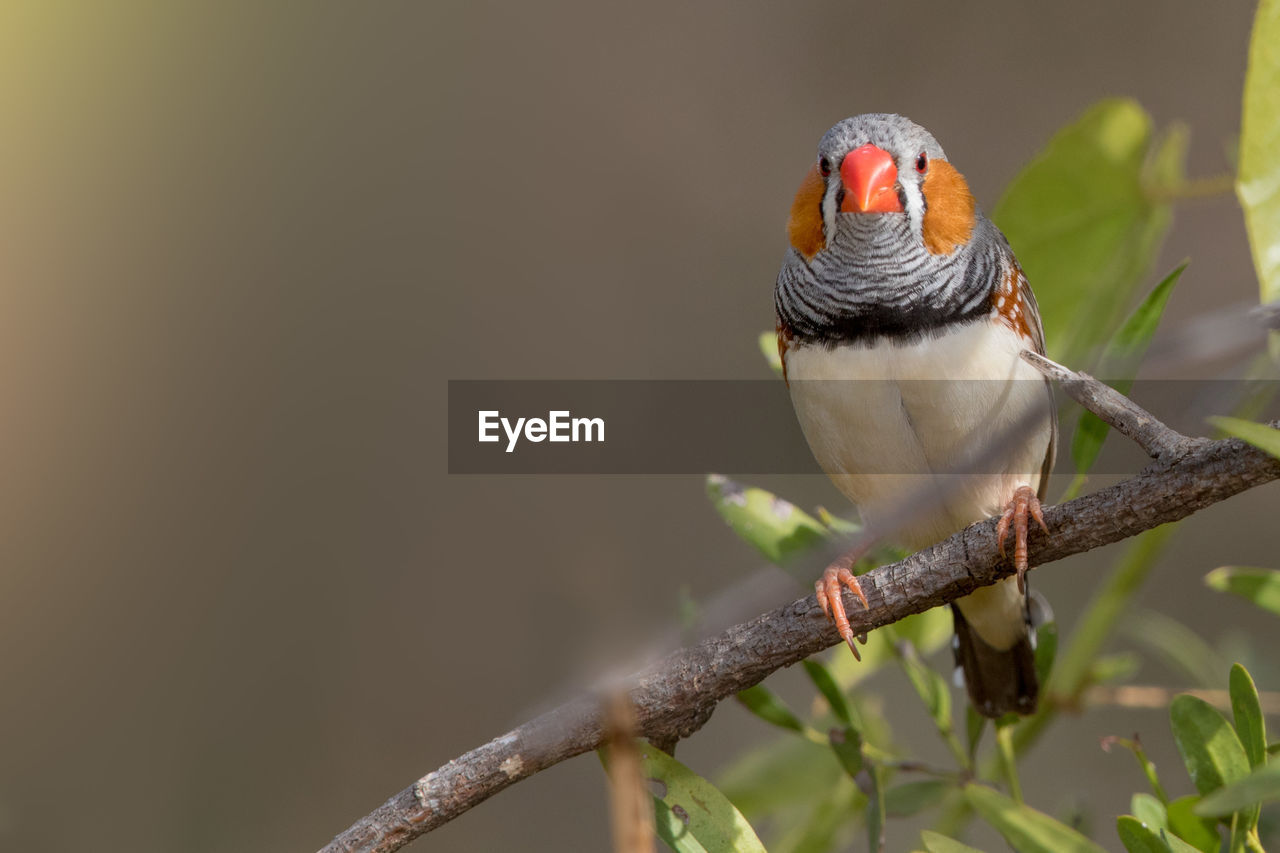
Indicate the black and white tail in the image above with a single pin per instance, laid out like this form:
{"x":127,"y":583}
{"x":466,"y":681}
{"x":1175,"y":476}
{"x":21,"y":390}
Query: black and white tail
{"x":999,"y":681}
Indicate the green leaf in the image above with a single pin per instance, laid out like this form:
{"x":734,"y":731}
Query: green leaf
{"x":1149,"y":810}
{"x":1246,"y":708}
{"x":1175,"y":844}
{"x":1258,"y":182}
{"x":1110,"y":603}
{"x":1046,"y":650}
{"x":974,"y":726}
{"x":1026,"y":830}
{"x":765,"y":704}
{"x":769,"y":349}
{"x":775,"y":527}
{"x":1141,"y":803}
{"x":785,"y":772}
{"x":847,"y":744}
{"x":911,"y":797}
{"x":1137,"y":837}
{"x":934,"y":692}
{"x":1179,"y":648}
{"x":1119,"y":364}
{"x":1261,"y":586}
{"x":691,"y":814}
{"x":927,"y":631}
{"x":1260,"y":786}
{"x":839,"y":526}
{"x":875,"y":808}
{"x":819,"y":829}
{"x":830,"y":691}
{"x":1116,"y":667}
{"x":1083,"y":225}
{"x":1129,"y":343}
{"x":936,"y":843}
{"x":1187,"y":825}
{"x":930,"y":686}
{"x":1208,"y":744}
{"x":1260,"y":436}
{"x":1141,"y":837}
{"x":1008,"y":757}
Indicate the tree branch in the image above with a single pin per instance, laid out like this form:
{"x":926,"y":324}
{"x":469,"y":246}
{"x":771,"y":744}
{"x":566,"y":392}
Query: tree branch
{"x":1126,"y":416}
{"x":675,"y":697}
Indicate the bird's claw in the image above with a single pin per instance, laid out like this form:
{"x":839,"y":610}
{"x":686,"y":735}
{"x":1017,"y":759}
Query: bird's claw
{"x":837,"y":576}
{"x":1023,"y":505}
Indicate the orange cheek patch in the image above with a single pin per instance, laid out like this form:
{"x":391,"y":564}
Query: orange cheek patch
{"x":804,"y":228}
{"x":948,"y":215}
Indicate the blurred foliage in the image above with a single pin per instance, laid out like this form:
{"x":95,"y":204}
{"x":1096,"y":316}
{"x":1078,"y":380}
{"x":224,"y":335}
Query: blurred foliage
{"x":1260,"y":436}
{"x":1259,"y":169}
{"x":691,"y":814}
{"x":1118,"y":365}
{"x":1085,"y":224}
{"x":1086,"y":218}
{"x":1261,"y":586}
{"x":777,"y":528}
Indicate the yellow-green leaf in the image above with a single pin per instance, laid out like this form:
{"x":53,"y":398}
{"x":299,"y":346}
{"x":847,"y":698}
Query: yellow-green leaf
{"x":777,"y":528}
{"x":875,"y":808}
{"x":1046,"y":649}
{"x":1185,"y":824}
{"x":1260,"y":786}
{"x":911,"y":797}
{"x":1209,"y":746}
{"x":1258,"y":182}
{"x":1137,"y":837}
{"x":1149,"y":810}
{"x":1119,"y":365}
{"x":1246,"y":709}
{"x":783,"y":773}
{"x":1026,"y":830}
{"x":1083,"y":225}
{"x":822,"y":827}
{"x":1175,"y":844}
{"x":1178,"y":647}
{"x":936,"y":843}
{"x":692,"y":815}
{"x":827,"y":686}
{"x":769,"y":349}
{"x":1260,"y":436}
{"x":1261,"y":586}
{"x":847,"y":745}
{"x":930,"y":686}
{"x":766,"y":705}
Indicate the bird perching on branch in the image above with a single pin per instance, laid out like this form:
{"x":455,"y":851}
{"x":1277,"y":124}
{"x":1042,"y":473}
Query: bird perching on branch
{"x":895,"y":280}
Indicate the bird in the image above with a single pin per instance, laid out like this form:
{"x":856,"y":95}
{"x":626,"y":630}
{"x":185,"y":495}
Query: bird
{"x":895,"y":279}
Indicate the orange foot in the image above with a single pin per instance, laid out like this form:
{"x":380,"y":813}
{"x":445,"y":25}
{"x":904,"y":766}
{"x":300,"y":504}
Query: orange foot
{"x":829,"y":590}
{"x":1024,"y":503}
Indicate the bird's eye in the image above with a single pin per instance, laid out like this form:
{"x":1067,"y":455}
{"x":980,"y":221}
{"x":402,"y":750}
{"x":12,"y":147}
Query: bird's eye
{"x":824,"y":166}
{"x":922,"y":163}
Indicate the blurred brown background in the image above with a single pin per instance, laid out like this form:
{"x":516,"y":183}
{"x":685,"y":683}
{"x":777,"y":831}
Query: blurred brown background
{"x":245,"y":245}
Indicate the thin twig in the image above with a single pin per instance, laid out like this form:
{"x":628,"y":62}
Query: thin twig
{"x":675,"y":697}
{"x":1195,"y":188}
{"x":1126,"y":416}
{"x":630,"y":805}
{"x":1153,"y":697}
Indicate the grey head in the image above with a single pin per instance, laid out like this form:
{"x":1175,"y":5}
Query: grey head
{"x":911,"y":149}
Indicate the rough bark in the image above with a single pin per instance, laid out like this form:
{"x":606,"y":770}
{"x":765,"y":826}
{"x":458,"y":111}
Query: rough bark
{"x":675,"y":697}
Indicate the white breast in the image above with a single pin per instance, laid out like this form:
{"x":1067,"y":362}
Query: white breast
{"x":893,"y":417}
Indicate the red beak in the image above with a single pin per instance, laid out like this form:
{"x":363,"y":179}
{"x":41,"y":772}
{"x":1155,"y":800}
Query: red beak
{"x":869,"y":181}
